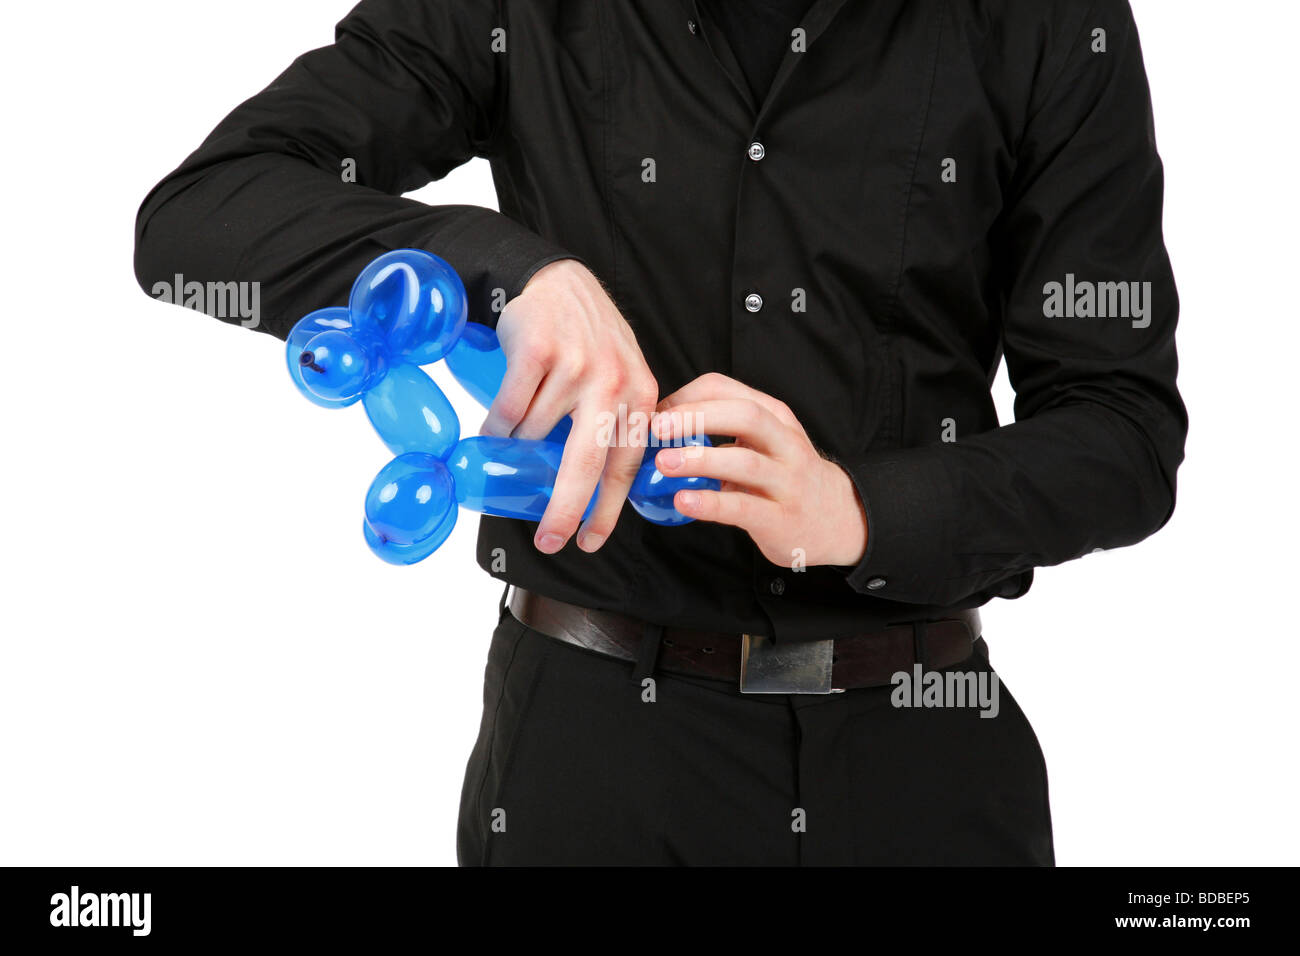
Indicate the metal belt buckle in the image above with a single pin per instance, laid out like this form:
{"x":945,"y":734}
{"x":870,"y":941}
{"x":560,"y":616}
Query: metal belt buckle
{"x":785,"y":668}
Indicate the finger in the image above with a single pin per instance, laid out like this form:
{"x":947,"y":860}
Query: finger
{"x":740,"y":466}
{"x":621,"y":467}
{"x":714,"y":385}
{"x":742,"y":419}
{"x":554,"y":400}
{"x":518,"y":388}
{"x":748,"y":512}
{"x":580,"y":470}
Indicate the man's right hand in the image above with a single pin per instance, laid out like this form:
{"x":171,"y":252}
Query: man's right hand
{"x":570,"y":352}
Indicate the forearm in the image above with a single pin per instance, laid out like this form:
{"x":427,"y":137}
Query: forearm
{"x":947,"y":521}
{"x":301,"y":185}
{"x":301,"y":233}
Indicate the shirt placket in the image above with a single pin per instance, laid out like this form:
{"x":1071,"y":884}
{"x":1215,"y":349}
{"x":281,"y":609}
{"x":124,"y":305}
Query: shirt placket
{"x":753,"y":247}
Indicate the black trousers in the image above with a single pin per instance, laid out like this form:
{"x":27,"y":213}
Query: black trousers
{"x":574,"y":766}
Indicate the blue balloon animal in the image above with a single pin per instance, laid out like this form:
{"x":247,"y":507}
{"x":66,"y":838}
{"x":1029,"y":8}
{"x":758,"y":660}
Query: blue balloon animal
{"x":408,"y":309}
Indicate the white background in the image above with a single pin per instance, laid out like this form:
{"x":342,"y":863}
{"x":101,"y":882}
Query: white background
{"x":201,"y":663}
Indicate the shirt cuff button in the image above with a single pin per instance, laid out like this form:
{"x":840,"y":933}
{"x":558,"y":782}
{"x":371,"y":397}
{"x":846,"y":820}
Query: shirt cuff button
{"x":875,"y":584}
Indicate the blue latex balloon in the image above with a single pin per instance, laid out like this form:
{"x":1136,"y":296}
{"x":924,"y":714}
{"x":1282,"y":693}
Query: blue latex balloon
{"x":411,"y":414}
{"x":508,"y":477}
{"x":479,"y":365}
{"x":307,"y":329}
{"x":341,"y":365}
{"x":410,"y":509}
{"x":651,"y":494}
{"x":407,"y":309}
{"x":415,"y":300}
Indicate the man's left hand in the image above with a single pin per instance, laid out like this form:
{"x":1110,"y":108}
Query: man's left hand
{"x":799,"y":507}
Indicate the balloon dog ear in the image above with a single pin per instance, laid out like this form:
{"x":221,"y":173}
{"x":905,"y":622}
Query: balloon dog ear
{"x":412,"y":300}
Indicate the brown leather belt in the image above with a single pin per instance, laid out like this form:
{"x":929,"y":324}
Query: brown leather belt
{"x":869,"y":659}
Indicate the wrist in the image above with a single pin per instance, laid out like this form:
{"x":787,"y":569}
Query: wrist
{"x":557,"y":271}
{"x":848,"y":517}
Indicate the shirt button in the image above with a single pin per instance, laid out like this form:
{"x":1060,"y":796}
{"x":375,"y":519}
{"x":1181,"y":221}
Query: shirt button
{"x":777,"y":586}
{"x":753,"y":302}
{"x":690,"y":25}
{"x":875,"y":584}
{"x":756,"y":151}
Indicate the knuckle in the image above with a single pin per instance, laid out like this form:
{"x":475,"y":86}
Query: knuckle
{"x":510,"y":408}
{"x":536,"y":349}
{"x":569,"y":368}
{"x":529,"y":364}
{"x":625,"y":469}
{"x":611,"y":381}
{"x":564,"y":518}
{"x":645,"y":393}
{"x":749,"y":463}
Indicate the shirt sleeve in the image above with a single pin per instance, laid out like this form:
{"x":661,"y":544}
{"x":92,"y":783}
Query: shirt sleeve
{"x":1090,"y":461}
{"x":300,"y":186}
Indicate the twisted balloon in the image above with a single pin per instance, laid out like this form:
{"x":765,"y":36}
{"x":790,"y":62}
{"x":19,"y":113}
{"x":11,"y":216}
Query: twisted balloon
{"x":408,"y":309}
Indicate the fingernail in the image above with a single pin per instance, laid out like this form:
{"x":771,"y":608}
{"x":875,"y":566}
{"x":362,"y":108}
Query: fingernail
{"x":670,"y":458}
{"x":549,"y":543}
{"x":689,"y":499}
{"x":590,"y":542}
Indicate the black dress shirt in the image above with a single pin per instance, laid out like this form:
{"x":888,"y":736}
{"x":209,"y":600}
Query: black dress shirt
{"x":926,"y":186}
{"x":757,"y":33}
